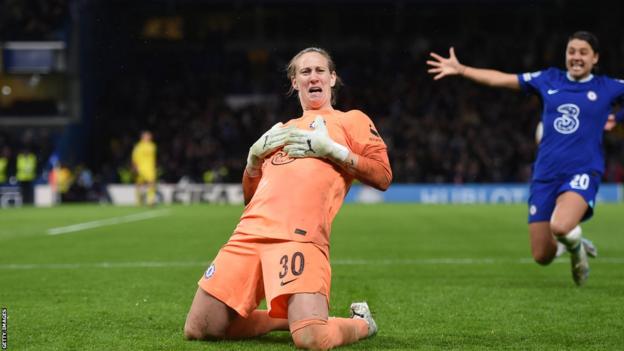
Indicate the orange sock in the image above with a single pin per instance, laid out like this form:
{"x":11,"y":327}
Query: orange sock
{"x":258,"y":323}
{"x":327,"y":334}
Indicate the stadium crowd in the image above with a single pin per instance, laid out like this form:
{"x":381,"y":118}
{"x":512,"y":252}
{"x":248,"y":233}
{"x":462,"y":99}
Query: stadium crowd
{"x":206,"y":98}
{"x":472,"y":134}
{"x":25,"y":20}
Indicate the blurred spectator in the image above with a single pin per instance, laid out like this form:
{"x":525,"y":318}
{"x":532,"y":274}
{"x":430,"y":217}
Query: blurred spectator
{"x":64,"y":180}
{"x":4,"y":165}
{"x":26,"y":173}
{"x":32,"y":19}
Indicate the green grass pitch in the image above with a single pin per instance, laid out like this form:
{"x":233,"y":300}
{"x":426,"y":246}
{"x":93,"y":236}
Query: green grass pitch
{"x":436,"y":277}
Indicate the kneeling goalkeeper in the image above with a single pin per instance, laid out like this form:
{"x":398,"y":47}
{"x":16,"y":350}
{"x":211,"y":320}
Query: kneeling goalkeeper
{"x":295,"y":181}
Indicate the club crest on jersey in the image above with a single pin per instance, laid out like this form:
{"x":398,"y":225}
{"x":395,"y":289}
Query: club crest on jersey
{"x":210,"y":271}
{"x":313,"y":123}
{"x":591,"y":95}
{"x":533,"y":210}
{"x":568,"y":122}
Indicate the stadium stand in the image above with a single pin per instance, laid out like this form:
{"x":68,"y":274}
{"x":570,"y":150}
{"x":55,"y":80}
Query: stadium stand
{"x":207,"y":78}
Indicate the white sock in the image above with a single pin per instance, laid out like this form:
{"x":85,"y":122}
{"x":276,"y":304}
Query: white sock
{"x":572,"y":239}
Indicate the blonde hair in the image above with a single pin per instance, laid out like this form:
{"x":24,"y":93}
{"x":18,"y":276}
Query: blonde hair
{"x":291,"y":70}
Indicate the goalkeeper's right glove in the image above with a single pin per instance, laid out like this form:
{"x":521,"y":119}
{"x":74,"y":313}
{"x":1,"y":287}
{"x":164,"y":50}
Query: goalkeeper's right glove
{"x":270,"y":141}
{"x":316,"y":143}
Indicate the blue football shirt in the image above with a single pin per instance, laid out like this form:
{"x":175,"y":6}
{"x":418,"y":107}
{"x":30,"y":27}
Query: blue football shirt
{"x":574,"y":114}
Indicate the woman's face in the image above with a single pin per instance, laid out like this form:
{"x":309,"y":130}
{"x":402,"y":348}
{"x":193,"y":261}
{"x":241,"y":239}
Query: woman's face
{"x":580,"y":58}
{"x":313,"y":81}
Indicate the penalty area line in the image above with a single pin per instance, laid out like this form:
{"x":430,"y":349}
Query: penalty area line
{"x":107,"y":222}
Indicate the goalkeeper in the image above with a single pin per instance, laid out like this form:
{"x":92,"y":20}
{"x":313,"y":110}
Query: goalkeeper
{"x":295,"y":181}
{"x":144,"y":167}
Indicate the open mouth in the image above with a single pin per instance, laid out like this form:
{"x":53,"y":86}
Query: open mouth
{"x":577,"y":65}
{"x":315,"y":90}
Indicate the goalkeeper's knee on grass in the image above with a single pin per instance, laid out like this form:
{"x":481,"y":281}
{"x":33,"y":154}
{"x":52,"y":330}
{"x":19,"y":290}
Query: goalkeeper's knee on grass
{"x":320,"y":334}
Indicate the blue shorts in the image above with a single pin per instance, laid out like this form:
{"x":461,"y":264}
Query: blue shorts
{"x":543,"y":194}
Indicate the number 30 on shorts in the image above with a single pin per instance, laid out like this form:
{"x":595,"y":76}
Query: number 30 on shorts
{"x":580,"y":181}
{"x":297,"y":263}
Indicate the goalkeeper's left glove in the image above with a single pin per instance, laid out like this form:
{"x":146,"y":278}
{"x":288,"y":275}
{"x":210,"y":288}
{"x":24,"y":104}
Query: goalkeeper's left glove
{"x":317,"y":143}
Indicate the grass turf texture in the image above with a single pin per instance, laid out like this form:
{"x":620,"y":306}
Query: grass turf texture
{"x":436,"y":277}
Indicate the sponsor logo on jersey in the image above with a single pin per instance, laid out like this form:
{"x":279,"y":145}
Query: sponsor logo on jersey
{"x":591,"y":95}
{"x":552,"y":91}
{"x":281,"y":158}
{"x":568,"y":122}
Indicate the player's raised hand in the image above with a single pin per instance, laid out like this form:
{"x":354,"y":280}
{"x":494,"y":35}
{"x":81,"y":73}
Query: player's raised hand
{"x":316,"y":143}
{"x":270,"y":141}
{"x":611,"y":122}
{"x":442,"y":66}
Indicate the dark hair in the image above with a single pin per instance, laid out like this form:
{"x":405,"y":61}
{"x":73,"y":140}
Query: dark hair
{"x":589,"y":37}
{"x":291,"y":70}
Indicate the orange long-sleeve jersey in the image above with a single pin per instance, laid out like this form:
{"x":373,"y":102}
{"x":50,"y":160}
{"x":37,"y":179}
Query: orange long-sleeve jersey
{"x":297,"y":199}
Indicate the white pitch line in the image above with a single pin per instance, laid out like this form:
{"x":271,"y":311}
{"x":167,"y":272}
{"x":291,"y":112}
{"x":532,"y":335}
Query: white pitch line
{"x":146,"y":264}
{"x":460,"y":261}
{"x":106,"y":222}
{"x":345,"y":262}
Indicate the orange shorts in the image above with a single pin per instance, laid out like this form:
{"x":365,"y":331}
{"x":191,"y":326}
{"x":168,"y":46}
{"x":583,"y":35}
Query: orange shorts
{"x":249,"y":268}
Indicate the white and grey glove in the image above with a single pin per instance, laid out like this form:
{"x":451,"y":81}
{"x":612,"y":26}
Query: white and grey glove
{"x":270,"y":141}
{"x":316,"y":143}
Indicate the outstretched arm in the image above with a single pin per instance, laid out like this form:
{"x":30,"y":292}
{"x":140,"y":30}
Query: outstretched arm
{"x":442,"y":67}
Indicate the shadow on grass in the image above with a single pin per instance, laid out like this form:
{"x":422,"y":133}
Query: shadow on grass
{"x":271,"y":341}
{"x":283,"y":341}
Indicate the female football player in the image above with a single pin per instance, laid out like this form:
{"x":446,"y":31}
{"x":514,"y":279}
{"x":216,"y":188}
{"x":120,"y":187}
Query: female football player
{"x":570,"y":162}
{"x":296,"y":178}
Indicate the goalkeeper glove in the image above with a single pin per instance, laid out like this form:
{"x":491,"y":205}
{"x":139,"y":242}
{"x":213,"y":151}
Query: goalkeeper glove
{"x":270,"y":141}
{"x":317,"y":143}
